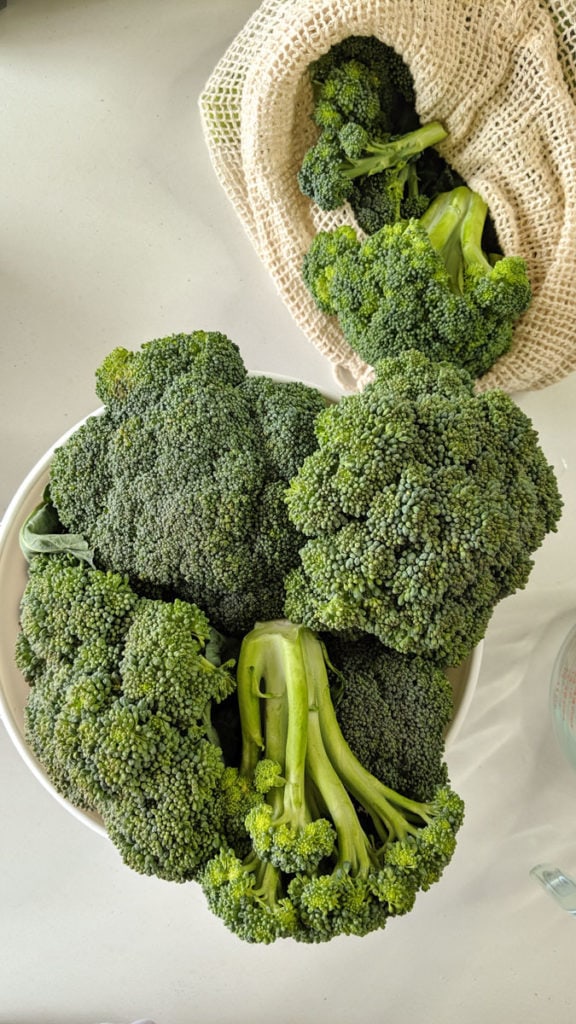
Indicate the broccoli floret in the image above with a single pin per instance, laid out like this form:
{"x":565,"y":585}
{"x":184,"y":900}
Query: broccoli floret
{"x":363,"y":99}
{"x":333,"y":850}
{"x":179,"y":483}
{"x":424,"y":284}
{"x":128,"y":381}
{"x":388,"y":197}
{"x":350,"y":92}
{"x":333,"y":166}
{"x":396,"y":96}
{"x":286,"y":412}
{"x":119,"y":712}
{"x":423,"y":506}
{"x":393,"y":710}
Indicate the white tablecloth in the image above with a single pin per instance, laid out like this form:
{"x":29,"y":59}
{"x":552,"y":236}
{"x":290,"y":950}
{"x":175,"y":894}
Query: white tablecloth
{"x":114,"y":231}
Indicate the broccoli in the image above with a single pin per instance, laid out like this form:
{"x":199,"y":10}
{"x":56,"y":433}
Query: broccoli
{"x":422,"y":505}
{"x":350,"y":92}
{"x":421,"y":284}
{"x":332,"y":166}
{"x":179,"y":483}
{"x":334,"y":851}
{"x":363,"y":79}
{"x":394,"y":710}
{"x":119,"y":712}
{"x":372,"y":151}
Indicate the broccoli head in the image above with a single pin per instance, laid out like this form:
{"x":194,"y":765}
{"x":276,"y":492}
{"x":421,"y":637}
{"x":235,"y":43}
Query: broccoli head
{"x":179,"y":482}
{"x":423,"y":505}
{"x":423,"y":284}
{"x":394,"y":710}
{"x":119,"y":712}
{"x":333,"y":850}
{"x":372,"y":151}
{"x":363,"y":79}
{"x":334,"y":169}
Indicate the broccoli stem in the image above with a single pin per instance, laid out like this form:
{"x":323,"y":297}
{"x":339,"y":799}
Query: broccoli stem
{"x":354,"y":851}
{"x":287,"y":744}
{"x":471,"y":233}
{"x":288,"y":716}
{"x":394,"y":816}
{"x":383,"y":155}
{"x":442,"y":222}
{"x":270,"y":670}
{"x":261,"y":675}
{"x":268,"y":888}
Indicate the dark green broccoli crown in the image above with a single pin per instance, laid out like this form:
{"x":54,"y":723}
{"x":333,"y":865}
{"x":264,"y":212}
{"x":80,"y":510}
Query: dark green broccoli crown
{"x":286,"y":412}
{"x":129,"y":381}
{"x":178,"y":484}
{"x":421,"y":284}
{"x":385,"y":66}
{"x":393,"y":710}
{"x":320,"y":174}
{"x":119,"y":711}
{"x":349,"y":92}
{"x":424,"y":504}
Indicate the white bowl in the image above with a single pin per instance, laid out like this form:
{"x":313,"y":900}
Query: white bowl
{"x":13,"y":687}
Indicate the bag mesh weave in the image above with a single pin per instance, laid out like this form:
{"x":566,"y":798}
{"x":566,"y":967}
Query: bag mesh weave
{"x":501,"y":77}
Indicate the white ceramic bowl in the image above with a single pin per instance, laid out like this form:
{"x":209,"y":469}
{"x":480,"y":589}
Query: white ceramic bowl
{"x":13,"y":687}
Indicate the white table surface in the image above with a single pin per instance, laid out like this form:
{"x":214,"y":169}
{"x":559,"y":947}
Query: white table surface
{"x":115,"y":231}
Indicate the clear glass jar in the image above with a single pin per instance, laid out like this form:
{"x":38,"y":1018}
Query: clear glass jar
{"x":563,"y":696}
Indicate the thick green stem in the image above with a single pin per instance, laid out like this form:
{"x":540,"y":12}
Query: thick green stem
{"x":395,"y":152}
{"x":354,"y":850}
{"x":288,"y":745}
{"x":400,"y":815}
{"x":442,"y":222}
{"x":471,"y":235}
{"x":273,"y":701}
{"x":260,"y":676}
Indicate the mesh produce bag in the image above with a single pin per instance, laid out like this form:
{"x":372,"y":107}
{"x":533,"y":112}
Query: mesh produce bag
{"x":499,"y":75}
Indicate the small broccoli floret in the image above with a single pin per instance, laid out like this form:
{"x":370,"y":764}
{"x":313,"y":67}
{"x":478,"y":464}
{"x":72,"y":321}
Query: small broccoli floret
{"x":385,"y":71}
{"x":119,"y":713}
{"x":367,"y":156}
{"x":247,"y":895}
{"x":425,"y":284}
{"x":393,"y":710}
{"x":179,"y":483}
{"x":337,"y":161}
{"x":423,"y":506}
{"x":372,"y":151}
{"x":333,"y":851}
{"x":388,"y":197}
{"x":349,"y":92}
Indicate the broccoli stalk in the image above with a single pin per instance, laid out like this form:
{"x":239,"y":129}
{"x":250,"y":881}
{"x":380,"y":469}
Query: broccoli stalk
{"x":283,"y":829}
{"x":366,"y":156}
{"x":346,"y":850}
{"x":454,"y":223}
{"x":333,"y":168}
